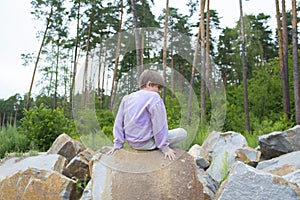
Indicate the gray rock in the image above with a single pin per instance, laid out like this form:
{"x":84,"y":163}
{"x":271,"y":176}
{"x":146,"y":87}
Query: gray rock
{"x":281,"y":165}
{"x":248,"y":155}
{"x":247,"y":183}
{"x":44,"y":162}
{"x":200,"y":161}
{"x":223,"y":154}
{"x":279,"y":143}
{"x":78,"y":167}
{"x":210,"y":186}
{"x":195,"y":150}
{"x":208,"y":145}
{"x":66,"y":146}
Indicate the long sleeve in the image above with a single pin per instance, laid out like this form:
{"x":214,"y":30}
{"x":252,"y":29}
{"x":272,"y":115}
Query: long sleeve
{"x":118,"y":131}
{"x":160,"y":126}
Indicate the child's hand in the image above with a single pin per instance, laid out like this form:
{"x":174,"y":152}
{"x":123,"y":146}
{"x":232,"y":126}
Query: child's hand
{"x":170,"y":154}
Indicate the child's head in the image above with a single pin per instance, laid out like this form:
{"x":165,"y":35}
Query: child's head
{"x":152,"y":77}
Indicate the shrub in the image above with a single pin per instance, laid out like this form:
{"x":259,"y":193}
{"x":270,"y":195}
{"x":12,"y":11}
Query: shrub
{"x":43,"y":125}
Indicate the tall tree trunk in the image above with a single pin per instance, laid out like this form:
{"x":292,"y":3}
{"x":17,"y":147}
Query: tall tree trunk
{"x":38,"y":57}
{"x":295,"y":62}
{"x":86,"y":66}
{"x":103,"y":75}
{"x":143,"y":36}
{"x":99,"y":68}
{"x":172,"y":75}
{"x":195,"y":59}
{"x":285,"y":72}
{"x":165,"y":47}
{"x":3,"y":120}
{"x":207,"y":59}
{"x":51,"y":71}
{"x":66,"y":79}
{"x":15,"y":118}
{"x":56,"y":75}
{"x":279,"y":32}
{"x":246,"y":103}
{"x":203,"y":73}
{"x":75,"y":55}
{"x":10,"y":119}
{"x":137,"y":39}
{"x":224,"y":76}
{"x":114,"y":82}
{"x":142,"y":48}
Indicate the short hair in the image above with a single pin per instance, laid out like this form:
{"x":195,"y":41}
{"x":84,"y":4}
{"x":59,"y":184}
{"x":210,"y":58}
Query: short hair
{"x":152,"y":76}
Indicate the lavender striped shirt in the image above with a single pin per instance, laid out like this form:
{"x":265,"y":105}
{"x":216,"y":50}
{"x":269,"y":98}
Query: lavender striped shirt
{"x":141,"y":116}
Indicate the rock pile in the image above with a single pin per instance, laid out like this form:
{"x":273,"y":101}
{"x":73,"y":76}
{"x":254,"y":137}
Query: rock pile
{"x":223,"y":168}
{"x":229,"y":169}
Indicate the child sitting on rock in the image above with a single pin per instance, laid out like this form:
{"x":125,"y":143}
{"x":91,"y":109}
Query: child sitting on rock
{"x":142,"y":119}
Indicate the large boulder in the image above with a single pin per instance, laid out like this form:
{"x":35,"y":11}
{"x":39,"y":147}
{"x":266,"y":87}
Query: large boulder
{"x":132,"y":174}
{"x":247,"y":183}
{"x":44,"y":162}
{"x":38,"y":184}
{"x":221,"y":148}
{"x":278,"y":143}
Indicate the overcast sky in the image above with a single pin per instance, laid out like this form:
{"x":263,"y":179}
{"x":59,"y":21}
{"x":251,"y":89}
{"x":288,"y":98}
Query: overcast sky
{"x":18,"y":32}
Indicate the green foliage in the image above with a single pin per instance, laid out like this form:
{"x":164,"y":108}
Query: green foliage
{"x":80,"y":185}
{"x":235,"y":111}
{"x":225,"y":169}
{"x":251,"y":139}
{"x":95,"y":127}
{"x":43,"y":125}
{"x":12,"y":141}
{"x":268,"y":126}
{"x":201,"y":136}
{"x":173,"y":112}
{"x":95,"y":140}
{"x":106,"y":121}
{"x":265,"y":104}
{"x":86,"y":121}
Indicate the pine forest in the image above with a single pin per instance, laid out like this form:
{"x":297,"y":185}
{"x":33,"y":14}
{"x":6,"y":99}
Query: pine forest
{"x":91,"y":52}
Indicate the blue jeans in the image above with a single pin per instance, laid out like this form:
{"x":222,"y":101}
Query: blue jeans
{"x":175,"y":136}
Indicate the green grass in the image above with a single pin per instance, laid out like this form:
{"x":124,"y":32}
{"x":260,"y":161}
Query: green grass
{"x":252,"y":139}
{"x":12,"y":141}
